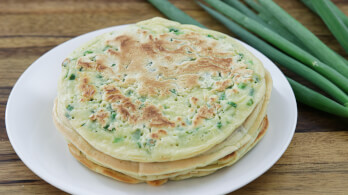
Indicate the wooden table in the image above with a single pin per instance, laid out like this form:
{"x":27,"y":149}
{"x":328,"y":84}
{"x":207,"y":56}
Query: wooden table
{"x":315,"y":163}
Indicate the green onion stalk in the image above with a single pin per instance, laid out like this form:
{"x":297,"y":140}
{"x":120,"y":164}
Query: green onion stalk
{"x":282,"y":43}
{"x":280,"y":57}
{"x":340,"y":14}
{"x":332,"y":21}
{"x":171,"y":11}
{"x":318,"y":48}
{"x":271,"y":21}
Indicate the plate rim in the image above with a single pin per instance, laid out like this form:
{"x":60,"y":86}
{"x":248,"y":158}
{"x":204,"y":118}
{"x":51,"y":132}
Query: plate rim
{"x":52,"y":181}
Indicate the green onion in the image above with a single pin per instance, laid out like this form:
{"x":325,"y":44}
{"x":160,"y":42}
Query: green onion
{"x":172,"y":30}
{"x":340,"y":14}
{"x":232,"y":104}
{"x":244,"y":9}
{"x":337,"y":11}
{"x":173,"y":91}
{"x":175,"y":31}
{"x":211,"y":36}
{"x":219,"y":125}
{"x":106,"y":47}
{"x":87,"y":52}
{"x":273,"y":23}
{"x":241,"y":56}
{"x":222,"y":96}
{"x":316,"y":100}
{"x":129,"y":92}
{"x":136,"y":134}
{"x":70,"y":107}
{"x":174,"y":13}
{"x":113,"y":115}
{"x":242,"y":85}
{"x":332,"y":21}
{"x":282,"y":43}
{"x":250,"y":102}
{"x":106,"y":127}
{"x":117,"y":139}
{"x":72,"y":77}
{"x":251,"y":92}
{"x":317,"y":47}
{"x":283,"y":59}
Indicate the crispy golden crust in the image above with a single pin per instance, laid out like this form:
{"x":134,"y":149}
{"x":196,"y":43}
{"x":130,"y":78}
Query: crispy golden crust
{"x":99,"y":169}
{"x":194,"y":173}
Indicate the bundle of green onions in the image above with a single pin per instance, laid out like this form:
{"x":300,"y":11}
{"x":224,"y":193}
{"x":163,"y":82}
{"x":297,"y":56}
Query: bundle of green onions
{"x":300,"y":51}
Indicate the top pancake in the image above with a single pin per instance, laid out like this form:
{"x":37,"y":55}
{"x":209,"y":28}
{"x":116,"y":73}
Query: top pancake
{"x":159,"y":91}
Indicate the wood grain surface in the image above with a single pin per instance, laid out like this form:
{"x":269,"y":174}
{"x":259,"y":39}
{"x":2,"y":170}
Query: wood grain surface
{"x":316,"y":161}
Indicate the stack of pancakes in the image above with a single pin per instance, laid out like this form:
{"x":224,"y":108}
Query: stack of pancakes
{"x":159,"y":101}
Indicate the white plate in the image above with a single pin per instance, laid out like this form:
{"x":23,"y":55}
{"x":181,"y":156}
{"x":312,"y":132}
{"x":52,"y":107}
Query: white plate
{"x":43,"y":149}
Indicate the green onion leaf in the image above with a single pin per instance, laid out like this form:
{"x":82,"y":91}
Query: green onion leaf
{"x":173,"y":91}
{"x":222,"y":96}
{"x":242,"y":85}
{"x":87,"y":52}
{"x":113,"y":115}
{"x":174,"y":13}
{"x":219,"y":125}
{"x":136,"y":134}
{"x":72,"y":77}
{"x":211,"y":36}
{"x":250,"y":102}
{"x":117,"y":139}
{"x":70,"y":107}
{"x":283,"y":59}
{"x":233,"y":104}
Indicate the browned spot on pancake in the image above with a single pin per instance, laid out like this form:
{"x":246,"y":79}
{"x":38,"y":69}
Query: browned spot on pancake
{"x":154,"y":135}
{"x":153,"y":114}
{"x":203,"y":113}
{"x":100,"y":116}
{"x":123,"y":112}
{"x":101,"y":67}
{"x":213,"y":98}
{"x":85,"y":63}
{"x":188,"y":81}
{"x":206,"y":65}
{"x":163,"y":132}
{"x":113,"y":94}
{"x":129,"y":105}
{"x":152,"y":87}
{"x":157,"y":182}
{"x":194,"y":100}
{"x":222,"y":85}
{"x":235,"y":91}
{"x":128,"y":82}
{"x":159,"y":134}
{"x":125,"y":106}
{"x":87,"y":89}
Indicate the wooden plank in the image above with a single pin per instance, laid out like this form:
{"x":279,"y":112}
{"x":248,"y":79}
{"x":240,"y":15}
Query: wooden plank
{"x":310,"y":158}
{"x":315,"y":163}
